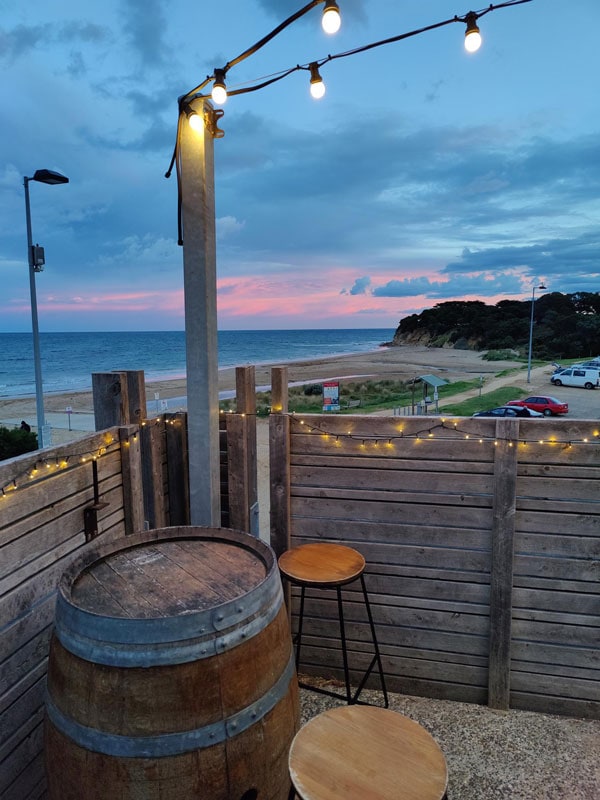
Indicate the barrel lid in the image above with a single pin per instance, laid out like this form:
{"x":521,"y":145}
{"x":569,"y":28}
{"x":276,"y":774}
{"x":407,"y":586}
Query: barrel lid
{"x":166,"y":572}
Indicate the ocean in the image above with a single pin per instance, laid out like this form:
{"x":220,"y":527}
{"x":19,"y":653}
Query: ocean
{"x":68,"y":359}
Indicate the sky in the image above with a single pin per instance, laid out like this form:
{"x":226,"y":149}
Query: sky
{"x":424,"y":174}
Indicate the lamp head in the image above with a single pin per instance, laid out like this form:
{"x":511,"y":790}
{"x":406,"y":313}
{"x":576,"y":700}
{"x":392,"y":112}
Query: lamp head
{"x":541,"y":286}
{"x":219,"y":90}
{"x":331,"y":19}
{"x":317,"y":87}
{"x":472,"y":34}
{"x":49,"y":176}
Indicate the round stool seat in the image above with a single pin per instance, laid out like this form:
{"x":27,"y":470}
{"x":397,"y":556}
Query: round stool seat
{"x":358,"y":752}
{"x":321,"y":564}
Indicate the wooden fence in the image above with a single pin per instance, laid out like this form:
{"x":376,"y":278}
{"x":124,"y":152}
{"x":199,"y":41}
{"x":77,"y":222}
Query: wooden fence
{"x":482,"y":542}
{"x":111,"y":483}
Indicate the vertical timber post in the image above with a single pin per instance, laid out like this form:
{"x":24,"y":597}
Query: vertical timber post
{"x":501,"y":581}
{"x":200,"y":290}
{"x":245,"y":396}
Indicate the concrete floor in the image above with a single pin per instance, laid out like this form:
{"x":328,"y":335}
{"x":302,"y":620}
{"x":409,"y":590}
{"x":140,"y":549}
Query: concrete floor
{"x":499,"y":755}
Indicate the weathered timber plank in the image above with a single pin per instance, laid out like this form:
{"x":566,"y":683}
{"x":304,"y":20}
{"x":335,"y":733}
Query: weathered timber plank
{"x":30,"y":784}
{"x":238,"y":474}
{"x":23,"y":668}
{"x":18,"y":759}
{"x":301,"y":493}
{"x":21,"y":717}
{"x":545,"y":704}
{"x":177,"y":469}
{"x":29,"y":626}
{"x":422,"y":668}
{"x":557,"y":670}
{"x":392,"y":512}
{"x":152,"y":446}
{"x":280,"y":482}
{"x":561,"y":568}
{"x":556,"y":633}
{"x":583,"y":522}
{"x":404,"y":465}
{"x":367,"y":479}
{"x":558,"y":617}
{"x":558,"y":545}
{"x":363,"y":534}
{"x":324,"y":614}
{"x":431,"y":452}
{"x":563,"y":656}
{"x":548,"y":600}
{"x":557,"y":685}
{"x":438,"y":589}
{"x":131,"y":466}
{"x":422,"y":556}
{"x":529,"y":582}
{"x":41,"y":501}
{"x":395,"y":650}
{"x":501,"y":580}
{"x":554,"y":488}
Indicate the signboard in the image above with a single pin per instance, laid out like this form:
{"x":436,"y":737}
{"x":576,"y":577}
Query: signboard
{"x":331,"y":396}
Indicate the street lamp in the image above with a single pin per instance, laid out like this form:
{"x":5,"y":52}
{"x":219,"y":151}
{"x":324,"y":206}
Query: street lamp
{"x":541,"y":286}
{"x":35,"y":256}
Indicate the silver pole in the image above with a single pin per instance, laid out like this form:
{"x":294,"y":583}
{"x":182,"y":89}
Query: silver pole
{"x":37,"y":361}
{"x":530,"y":336}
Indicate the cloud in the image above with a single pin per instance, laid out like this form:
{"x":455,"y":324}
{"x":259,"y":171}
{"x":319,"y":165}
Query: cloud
{"x":145,"y":26}
{"x":228,"y":226}
{"x":360,"y":285}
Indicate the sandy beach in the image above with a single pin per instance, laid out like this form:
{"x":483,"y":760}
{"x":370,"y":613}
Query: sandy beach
{"x":397,"y":363}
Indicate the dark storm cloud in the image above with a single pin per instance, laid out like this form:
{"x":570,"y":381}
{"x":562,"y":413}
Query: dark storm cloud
{"x":145,"y":26}
{"x":22,"y":39}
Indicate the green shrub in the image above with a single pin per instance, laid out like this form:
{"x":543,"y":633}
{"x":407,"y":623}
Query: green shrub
{"x":15,"y":442}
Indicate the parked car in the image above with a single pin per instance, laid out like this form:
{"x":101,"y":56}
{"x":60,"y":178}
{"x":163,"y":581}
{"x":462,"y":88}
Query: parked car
{"x":576,"y":376}
{"x":548,"y":406}
{"x":509,"y":411}
{"x":593,"y":364}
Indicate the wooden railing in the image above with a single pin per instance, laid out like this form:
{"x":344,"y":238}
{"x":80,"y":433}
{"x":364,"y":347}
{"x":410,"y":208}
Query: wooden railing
{"x":482,"y":542}
{"x":111,"y":483}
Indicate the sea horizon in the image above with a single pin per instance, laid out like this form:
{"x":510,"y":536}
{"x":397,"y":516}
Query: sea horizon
{"x":69,"y":358}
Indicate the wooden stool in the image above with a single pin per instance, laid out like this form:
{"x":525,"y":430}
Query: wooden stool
{"x":323,"y":565}
{"x":355,"y":752}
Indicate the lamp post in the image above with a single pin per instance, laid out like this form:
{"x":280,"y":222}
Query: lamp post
{"x":541,"y":286}
{"x":35,"y":257}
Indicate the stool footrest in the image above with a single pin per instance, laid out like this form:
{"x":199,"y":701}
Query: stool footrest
{"x":354,"y":701}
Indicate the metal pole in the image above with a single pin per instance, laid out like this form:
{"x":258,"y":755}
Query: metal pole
{"x":37,"y":361}
{"x":530,"y":336}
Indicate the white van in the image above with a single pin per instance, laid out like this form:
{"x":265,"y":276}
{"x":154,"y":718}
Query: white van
{"x":576,"y":376}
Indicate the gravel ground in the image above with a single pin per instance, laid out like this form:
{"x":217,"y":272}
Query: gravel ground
{"x":499,"y":755}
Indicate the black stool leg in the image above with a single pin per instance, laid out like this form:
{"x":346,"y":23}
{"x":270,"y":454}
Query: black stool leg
{"x":344,"y":649}
{"x":375,"y":642}
{"x":299,"y":632}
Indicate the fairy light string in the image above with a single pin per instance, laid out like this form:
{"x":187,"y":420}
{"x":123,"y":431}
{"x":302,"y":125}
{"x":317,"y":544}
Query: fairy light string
{"x":440,"y":430}
{"x":47,"y":466}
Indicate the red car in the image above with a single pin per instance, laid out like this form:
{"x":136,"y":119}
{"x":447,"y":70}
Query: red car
{"x":549,"y":406}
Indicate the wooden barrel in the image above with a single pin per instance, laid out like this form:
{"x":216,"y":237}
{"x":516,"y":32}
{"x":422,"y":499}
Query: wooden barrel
{"x":171,"y":671}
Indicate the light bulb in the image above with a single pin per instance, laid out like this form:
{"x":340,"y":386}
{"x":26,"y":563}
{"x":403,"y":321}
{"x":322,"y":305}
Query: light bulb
{"x":472,"y":35}
{"x":219,"y":94}
{"x":195,"y":122}
{"x":317,"y":87}
{"x":331,"y":19}
{"x":219,"y":90}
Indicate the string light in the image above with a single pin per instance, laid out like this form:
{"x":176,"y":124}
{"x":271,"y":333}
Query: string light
{"x":472,"y":34}
{"x":219,"y":90}
{"x":429,"y":433}
{"x":317,"y":87}
{"x":331,"y":19}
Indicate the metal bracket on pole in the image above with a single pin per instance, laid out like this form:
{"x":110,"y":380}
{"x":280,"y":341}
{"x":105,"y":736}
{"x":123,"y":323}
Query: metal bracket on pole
{"x":211,"y":117}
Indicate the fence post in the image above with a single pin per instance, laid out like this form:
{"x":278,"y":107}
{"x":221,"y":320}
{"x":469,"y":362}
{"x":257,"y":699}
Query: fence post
{"x":177,"y":468}
{"x":111,"y":399}
{"x":152,"y":473}
{"x":131,"y":468}
{"x":501,"y":579}
{"x":245,"y":394}
{"x":279,"y":460}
